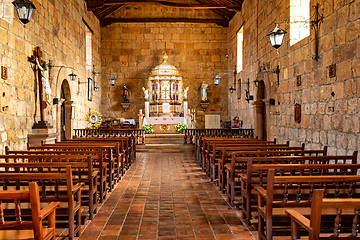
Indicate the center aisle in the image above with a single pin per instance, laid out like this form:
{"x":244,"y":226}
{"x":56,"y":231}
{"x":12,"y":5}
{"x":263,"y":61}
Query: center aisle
{"x":165,"y":196}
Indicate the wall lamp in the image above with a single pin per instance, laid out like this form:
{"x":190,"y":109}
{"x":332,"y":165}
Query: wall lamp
{"x":24,"y":9}
{"x":217,"y":79}
{"x":248,"y":97}
{"x":112,"y":80}
{"x":256,"y":82}
{"x":72,"y":75}
{"x":277,"y":35}
{"x":233,"y":87}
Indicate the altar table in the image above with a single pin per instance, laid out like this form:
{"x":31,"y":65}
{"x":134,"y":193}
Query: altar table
{"x":164,"y":124}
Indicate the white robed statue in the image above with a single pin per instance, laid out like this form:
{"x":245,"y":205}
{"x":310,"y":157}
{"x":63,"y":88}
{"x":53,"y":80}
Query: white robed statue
{"x":45,"y":82}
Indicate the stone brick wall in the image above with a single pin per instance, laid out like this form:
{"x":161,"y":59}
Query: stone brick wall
{"x":326,"y":120}
{"x":131,"y":50}
{"x":58,"y":27}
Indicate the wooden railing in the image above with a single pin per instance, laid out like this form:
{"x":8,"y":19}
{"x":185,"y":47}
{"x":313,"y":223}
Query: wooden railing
{"x":218,"y":132}
{"x":139,"y":134}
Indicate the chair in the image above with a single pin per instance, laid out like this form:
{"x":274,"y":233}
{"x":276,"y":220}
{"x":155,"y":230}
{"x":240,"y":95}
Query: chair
{"x":34,"y":229}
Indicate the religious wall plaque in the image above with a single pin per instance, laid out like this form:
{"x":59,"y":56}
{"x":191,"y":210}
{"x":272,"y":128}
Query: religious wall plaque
{"x":297,"y":113}
{"x":4,"y":72}
{"x":212,"y":121}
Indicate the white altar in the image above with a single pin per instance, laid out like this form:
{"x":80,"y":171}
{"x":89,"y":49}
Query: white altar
{"x":165,"y":98}
{"x":164,"y":124}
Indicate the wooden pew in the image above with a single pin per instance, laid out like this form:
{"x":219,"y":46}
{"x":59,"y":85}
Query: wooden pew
{"x":319,"y":205}
{"x":99,"y":164}
{"x":255,"y":174}
{"x":127,"y":146}
{"x":82,"y":172}
{"x":295,"y":192}
{"x":34,"y":229}
{"x":113,"y":160}
{"x":226,"y":154}
{"x":241,"y":159}
{"x":214,"y":151}
{"x":70,"y":198}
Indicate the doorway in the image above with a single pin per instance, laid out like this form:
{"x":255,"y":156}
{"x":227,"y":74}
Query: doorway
{"x":65,"y":111}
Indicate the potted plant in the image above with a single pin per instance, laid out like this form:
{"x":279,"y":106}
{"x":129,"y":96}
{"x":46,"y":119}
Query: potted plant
{"x":180,"y":127}
{"x":149,"y":128}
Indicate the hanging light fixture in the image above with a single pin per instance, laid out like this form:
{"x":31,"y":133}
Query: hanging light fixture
{"x":256,"y":82}
{"x":24,"y":9}
{"x":72,"y":76}
{"x":276,"y":37}
{"x":217,"y":79}
{"x":112,"y":80}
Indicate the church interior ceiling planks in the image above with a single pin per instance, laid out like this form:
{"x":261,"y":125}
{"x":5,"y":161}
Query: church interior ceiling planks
{"x":191,"y":11}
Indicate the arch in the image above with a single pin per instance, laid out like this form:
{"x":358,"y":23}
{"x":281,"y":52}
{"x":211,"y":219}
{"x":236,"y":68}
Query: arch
{"x":65,"y":124}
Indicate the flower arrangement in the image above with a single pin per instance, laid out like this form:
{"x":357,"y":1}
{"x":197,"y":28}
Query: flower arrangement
{"x":180,"y":127}
{"x":93,"y":118}
{"x":149,"y":128}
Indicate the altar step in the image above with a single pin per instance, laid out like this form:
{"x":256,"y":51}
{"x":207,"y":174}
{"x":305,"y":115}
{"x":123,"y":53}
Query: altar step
{"x":164,"y":143}
{"x":164,"y":148}
{"x":164,"y":139}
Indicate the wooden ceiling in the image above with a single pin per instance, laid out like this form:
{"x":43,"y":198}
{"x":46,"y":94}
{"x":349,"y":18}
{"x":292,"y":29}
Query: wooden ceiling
{"x":224,"y":10}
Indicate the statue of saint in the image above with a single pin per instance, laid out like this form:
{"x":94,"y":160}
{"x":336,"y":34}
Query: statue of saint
{"x":204,"y":92}
{"x":125,"y":93}
{"x":146,"y":93}
{"x":45,"y":82}
{"x":185,"y":92}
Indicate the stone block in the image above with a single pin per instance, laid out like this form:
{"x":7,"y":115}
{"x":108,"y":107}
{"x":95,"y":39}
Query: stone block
{"x":355,"y":124}
{"x":347,"y":123}
{"x":331,"y":139}
{"x":336,"y":122}
{"x":338,"y":89}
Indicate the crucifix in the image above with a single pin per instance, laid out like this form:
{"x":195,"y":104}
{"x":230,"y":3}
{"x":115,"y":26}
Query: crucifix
{"x":39,"y":69}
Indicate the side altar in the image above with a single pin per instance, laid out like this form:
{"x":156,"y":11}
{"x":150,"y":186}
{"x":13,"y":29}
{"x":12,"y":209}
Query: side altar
{"x":166,"y":101}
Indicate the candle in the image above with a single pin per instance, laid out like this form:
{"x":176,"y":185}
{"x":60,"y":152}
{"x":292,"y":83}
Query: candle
{"x":189,"y":111}
{"x":140,"y":111}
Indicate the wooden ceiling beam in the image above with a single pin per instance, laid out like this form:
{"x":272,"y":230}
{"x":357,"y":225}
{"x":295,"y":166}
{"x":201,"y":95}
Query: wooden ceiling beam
{"x":107,"y":21}
{"x":93,"y":4}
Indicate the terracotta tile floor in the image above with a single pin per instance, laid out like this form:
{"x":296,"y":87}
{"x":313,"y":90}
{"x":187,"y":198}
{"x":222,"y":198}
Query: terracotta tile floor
{"x":165,"y":196}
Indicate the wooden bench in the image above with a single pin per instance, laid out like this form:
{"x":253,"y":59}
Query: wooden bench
{"x":320,"y":205}
{"x":295,"y":192}
{"x":226,"y":154}
{"x":69,"y":196}
{"x":214,"y":153}
{"x":113,"y":160}
{"x":82,"y":172}
{"x":99,"y":165}
{"x":241,"y":159}
{"x":127,"y":146}
{"x":34,"y":229}
{"x":255,"y":174}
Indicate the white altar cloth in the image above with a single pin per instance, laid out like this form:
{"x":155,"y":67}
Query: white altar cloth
{"x":164,"y":120}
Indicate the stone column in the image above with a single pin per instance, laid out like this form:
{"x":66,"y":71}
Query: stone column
{"x":147,"y":108}
{"x":259,"y":119}
{"x":185,"y":110}
{"x":68,"y":119}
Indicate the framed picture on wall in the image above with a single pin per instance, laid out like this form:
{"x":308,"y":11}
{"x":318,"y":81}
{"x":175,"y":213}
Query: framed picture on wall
{"x":90,"y":89}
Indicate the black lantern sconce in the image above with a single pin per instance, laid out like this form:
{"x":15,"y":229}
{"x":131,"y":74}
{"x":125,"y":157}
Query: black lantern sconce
{"x":248,"y":97}
{"x":217,"y":79}
{"x":277,"y":35}
{"x":72,"y":75}
{"x":24,"y":9}
{"x":256,"y":82}
{"x":233,"y":87}
{"x":112,"y":80}
{"x":277,"y":72}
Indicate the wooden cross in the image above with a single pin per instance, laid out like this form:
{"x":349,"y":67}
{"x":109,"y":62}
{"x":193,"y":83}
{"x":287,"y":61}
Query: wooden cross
{"x":37,"y":54}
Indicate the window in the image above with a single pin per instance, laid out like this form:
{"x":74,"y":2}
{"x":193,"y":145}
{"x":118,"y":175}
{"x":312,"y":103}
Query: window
{"x":88,"y":49}
{"x":239,"y":58}
{"x":299,"y":12}
{"x":7,"y":11}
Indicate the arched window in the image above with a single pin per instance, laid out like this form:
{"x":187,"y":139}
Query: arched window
{"x":239,"y":56}
{"x":88,"y":49}
{"x":299,"y":12}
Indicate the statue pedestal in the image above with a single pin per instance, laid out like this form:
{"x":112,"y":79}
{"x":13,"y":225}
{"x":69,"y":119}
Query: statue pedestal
{"x":204,"y":105}
{"x":125,"y":105}
{"x":41,"y":134}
